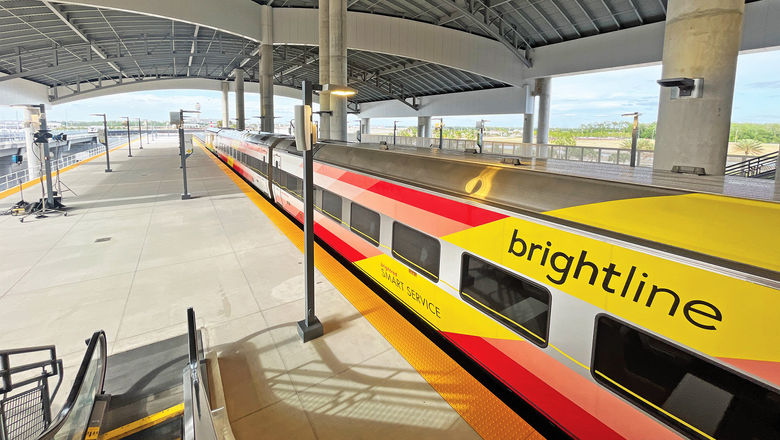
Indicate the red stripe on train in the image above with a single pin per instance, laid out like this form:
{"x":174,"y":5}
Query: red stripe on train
{"x":451,"y":209}
{"x":341,"y":246}
{"x":344,"y":249}
{"x":544,"y":397}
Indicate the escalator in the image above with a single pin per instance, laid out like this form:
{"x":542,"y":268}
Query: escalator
{"x":156,"y":391}
{"x":759,"y":167}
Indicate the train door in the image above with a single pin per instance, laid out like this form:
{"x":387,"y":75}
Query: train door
{"x":277,"y":176}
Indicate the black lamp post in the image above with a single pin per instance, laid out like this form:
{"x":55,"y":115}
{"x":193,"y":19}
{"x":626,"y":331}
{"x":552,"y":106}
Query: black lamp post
{"x":105,"y":133}
{"x":129,"y":146}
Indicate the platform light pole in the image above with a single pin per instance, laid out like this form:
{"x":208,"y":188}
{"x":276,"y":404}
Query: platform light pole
{"x":141,"y":142}
{"x":481,"y":133}
{"x":634,"y":137}
{"x":178,"y":119}
{"x":129,"y":147}
{"x":310,"y":327}
{"x":105,"y":139}
{"x":395,"y":128}
{"x":441,"y":132}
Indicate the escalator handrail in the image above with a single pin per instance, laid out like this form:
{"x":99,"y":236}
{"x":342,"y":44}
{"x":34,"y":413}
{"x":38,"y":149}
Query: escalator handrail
{"x":739,"y":167}
{"x":97,"y":341}
{"x":197,"y":423}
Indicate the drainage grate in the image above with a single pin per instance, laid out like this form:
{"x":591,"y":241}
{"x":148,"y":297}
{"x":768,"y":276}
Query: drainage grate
{"x":100,"y":240}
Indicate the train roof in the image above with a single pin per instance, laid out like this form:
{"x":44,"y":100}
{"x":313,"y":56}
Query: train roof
{"x":534,"y":184}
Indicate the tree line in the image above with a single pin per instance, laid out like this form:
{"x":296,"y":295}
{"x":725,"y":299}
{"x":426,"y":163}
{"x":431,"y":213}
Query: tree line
{"x":763,"y":133}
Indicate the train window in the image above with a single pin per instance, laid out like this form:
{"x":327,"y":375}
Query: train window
{"x":278,"y":176}
{"x":516,"y":302}
{"x":365,"y":223}
{"x":331,"y":205}
{"x":693,"y":394}
{"x":294,"y":185}
{"x":417,"y":250}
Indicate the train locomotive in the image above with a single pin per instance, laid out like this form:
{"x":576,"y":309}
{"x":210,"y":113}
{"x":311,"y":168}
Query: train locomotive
{"x":617,"y":310}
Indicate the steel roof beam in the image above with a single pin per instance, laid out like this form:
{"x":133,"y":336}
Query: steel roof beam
{"x":587,"y":14}
{"x":569,"y":19}
{"x":611,"y":14}
{"x":79,"y":33}
{"x":482,"y":23}
{"x":192,"y":48}
{"x":546,"y":19}
{"x":305,"y":62}
{"x":365,"y":78}
{"x":636,"y":11}
{"x":117,"y":36}
{"x":528,"y":21}
{"x":90,"y":63}
{"x":663,"y":6}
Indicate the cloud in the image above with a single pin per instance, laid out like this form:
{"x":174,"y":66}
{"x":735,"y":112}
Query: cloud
{"x":765,"y":85}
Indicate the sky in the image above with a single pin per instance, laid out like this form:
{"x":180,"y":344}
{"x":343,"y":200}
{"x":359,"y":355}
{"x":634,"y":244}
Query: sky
{"x":576,"y":99}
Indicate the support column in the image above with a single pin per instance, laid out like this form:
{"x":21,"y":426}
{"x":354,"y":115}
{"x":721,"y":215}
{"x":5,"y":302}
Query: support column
{"x":701,"y":40}
{"x":267,"y":70}
{"x":225,"y":106}
{"x":423,"y":126}
{"x":543,"y":129}
{"x":528,"y":128}
{"x":239,"y":99}
{"x":365,"y":125}
{"x":337,"y":39}
{"x":324,"y":54}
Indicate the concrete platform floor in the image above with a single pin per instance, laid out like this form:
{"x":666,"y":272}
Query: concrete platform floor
{"x":219,"y":254}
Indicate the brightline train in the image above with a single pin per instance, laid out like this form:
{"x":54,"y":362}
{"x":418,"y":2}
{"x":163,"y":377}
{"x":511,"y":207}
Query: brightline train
{"x":617,"y":310}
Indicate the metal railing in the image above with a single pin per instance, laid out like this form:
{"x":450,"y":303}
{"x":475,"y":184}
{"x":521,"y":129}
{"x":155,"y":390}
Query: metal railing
{"x":197,"y":423}
{"x":760,"y":166}
{"x":25,"y":402}
{"x":615,"y":156}
{"x":605,"y":155}
{"x":23,"y":175}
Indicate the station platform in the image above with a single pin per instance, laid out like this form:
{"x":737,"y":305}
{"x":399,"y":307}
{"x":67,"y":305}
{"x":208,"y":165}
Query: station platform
{"x":131,"y":256}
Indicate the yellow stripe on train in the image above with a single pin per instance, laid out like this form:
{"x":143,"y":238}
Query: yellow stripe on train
{"x":713,"y":313}
{"x":442,"y":310}
{"x":725,"y":227}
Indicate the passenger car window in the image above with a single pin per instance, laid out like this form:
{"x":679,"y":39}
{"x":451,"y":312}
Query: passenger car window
{"x":331,"y":205}
{"x":516,"y":302}
{"x":693,"y":394}
{"x":365,"y":223}
{"x":417,"y":250}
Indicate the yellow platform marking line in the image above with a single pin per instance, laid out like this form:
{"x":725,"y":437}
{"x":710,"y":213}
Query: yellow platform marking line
{"x":37,"y":180}
{"x":144,"y":423}
{"x":479,"y":407}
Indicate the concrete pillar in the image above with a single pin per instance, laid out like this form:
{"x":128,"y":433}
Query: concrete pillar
{"x":239,"y":98}
{"x":337,"y":39}
{"x":423,"y":126}
{"x":266,"y":70}
{"x":225,"y":106}
{"x":365,"y":125}
{"x":528,"y":127}
{"x":701,"y":40}
{"x":543,"y":92}
{"x":324,"y":54}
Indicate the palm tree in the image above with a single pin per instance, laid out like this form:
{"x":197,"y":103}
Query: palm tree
{"x":749,"y":147}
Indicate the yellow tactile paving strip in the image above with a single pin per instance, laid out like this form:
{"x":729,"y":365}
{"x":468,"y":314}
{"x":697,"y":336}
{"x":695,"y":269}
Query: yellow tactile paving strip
{"x":485,"y":412}
{"x":15,"y":189}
